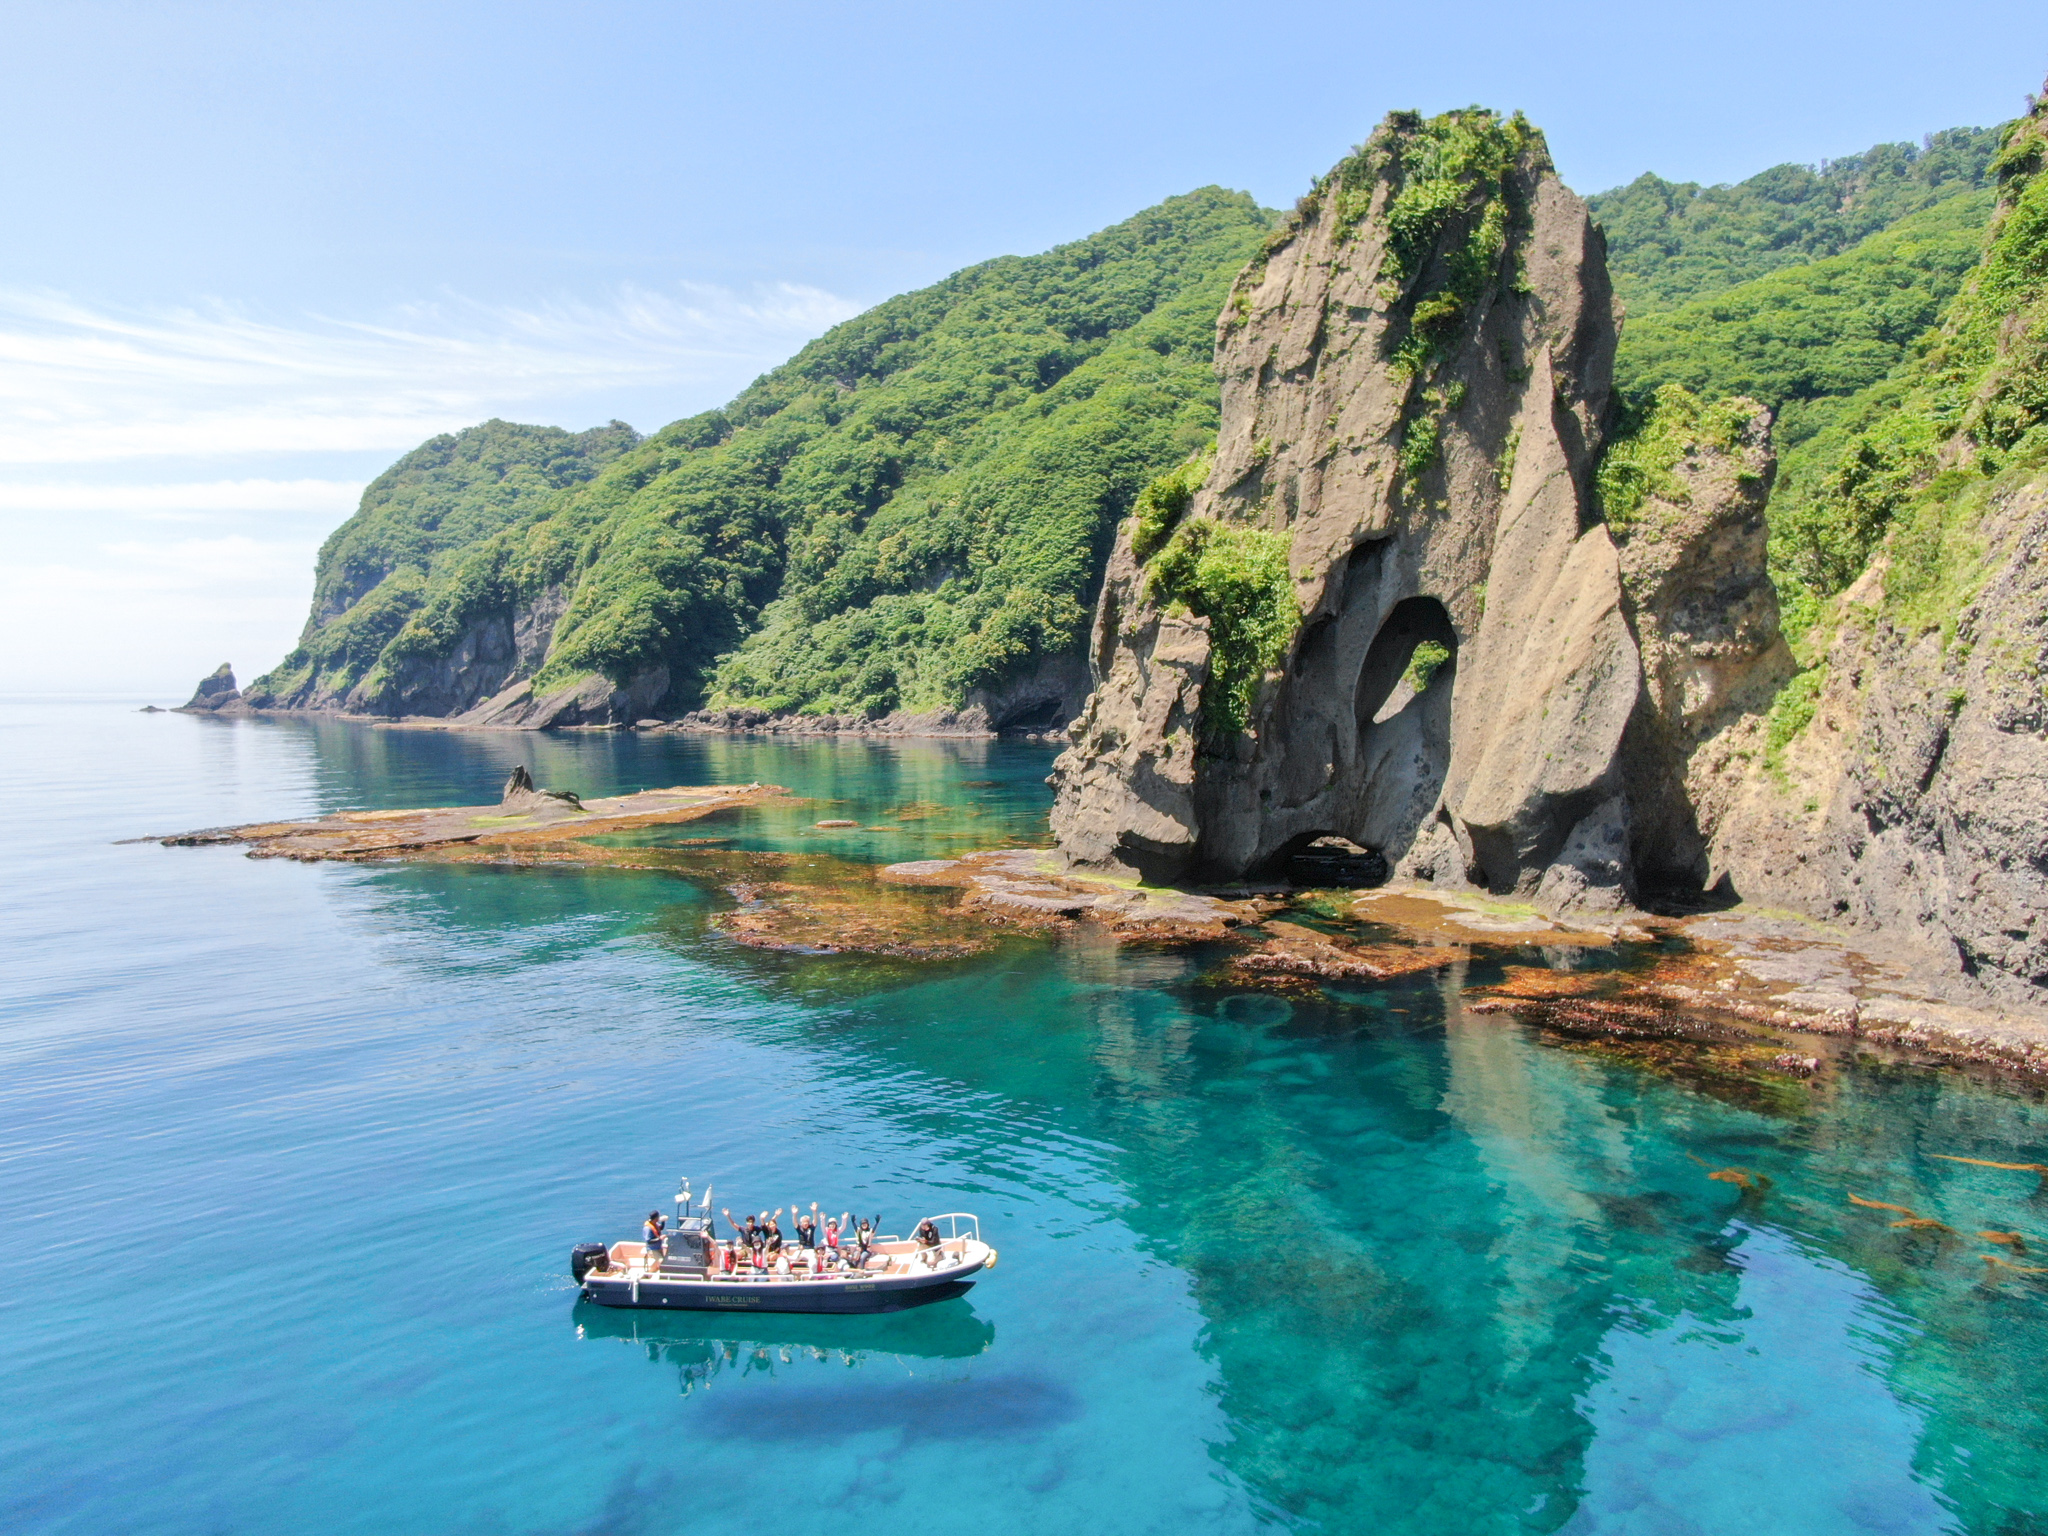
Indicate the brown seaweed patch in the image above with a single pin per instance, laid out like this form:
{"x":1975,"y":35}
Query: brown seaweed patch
{"x":1748,"y":1180}
{"x":1985,"y":1162}
{"x":829,"y":920}
{"x":1993,"y":1263}
{"x":1299,"y":953}
{"x":921,"y":810}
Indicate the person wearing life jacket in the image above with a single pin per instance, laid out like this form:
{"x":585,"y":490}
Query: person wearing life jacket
{"x":656,"y":1238}
{"x":928,"y":1242}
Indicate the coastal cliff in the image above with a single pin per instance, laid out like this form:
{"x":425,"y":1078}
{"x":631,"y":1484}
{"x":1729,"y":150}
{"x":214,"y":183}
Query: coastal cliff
{"x":905,"y":523}
{"x":1415,"y":391}
{"x":1901,"y":781}
{"x":1436,"y":594}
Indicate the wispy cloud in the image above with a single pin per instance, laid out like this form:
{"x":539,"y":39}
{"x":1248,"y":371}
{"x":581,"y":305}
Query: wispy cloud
{"x":121,"y":428}
{"x":181,"y":499}
{"x":84,"y":384}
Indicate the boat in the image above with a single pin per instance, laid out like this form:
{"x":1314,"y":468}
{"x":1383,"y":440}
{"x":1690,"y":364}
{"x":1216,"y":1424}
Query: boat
{"x":702,"y":1273}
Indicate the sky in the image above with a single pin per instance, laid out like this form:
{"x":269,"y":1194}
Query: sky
{"x":254,"y":253}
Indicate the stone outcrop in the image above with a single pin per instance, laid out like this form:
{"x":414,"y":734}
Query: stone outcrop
{"x":1902,"y":784}
{"x":216,"y":691}
{"x":591,"y":700}
{"x":1421,"y":424}
{"x":521,"y":797}
{"x":1917,"y":799}
{"x":1705,"y":616}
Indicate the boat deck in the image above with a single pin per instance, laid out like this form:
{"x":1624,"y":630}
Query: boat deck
{"x":894,"y":1259}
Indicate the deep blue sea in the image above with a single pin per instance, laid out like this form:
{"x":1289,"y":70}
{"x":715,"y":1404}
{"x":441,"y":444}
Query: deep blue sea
{"x":292,"y":1156}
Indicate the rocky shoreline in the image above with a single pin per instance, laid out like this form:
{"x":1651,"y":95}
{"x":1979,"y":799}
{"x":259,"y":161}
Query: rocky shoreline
{"x":1734,"y":982}
{"x":217,"y":694}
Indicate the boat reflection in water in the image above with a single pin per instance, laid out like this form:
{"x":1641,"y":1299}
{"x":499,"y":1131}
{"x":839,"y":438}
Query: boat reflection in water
{"x":701,"y":1345}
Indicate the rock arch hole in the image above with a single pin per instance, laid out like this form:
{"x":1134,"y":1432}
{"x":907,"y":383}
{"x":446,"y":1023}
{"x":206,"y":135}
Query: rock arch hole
{"x":1403,"y":711}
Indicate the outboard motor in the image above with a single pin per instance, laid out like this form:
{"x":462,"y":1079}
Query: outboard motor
{"x":586,"y":1257}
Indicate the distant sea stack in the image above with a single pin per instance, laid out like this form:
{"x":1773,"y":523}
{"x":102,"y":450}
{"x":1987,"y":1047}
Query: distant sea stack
{"x":216,"y":691}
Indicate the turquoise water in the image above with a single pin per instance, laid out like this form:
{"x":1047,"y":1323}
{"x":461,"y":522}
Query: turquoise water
{"x":293,"y":1156}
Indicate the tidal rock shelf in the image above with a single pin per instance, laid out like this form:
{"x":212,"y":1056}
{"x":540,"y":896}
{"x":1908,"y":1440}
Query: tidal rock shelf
{"x":1711,"y":993}
{"x":1027,"y":887}
{"x":524,"y":819}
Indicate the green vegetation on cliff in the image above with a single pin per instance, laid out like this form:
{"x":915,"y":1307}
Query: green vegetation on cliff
{"x":1907,"y":462}
{"x":917,"y":504}
{"x":1672,"y":242}
{"x":1805,"y":338}
{"x":1649,"y":442}
{"x":1236,"y":577}
{"x":1827,"y":341}
{"x":427,"y":510}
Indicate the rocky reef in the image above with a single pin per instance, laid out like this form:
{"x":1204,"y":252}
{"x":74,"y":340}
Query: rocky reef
{"x":1415,"y":391}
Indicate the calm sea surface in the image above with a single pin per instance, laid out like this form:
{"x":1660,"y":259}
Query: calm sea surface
{"x":292,"y":1156}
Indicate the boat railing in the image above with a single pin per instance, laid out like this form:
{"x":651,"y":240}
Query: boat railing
{"x":954,"y":1220}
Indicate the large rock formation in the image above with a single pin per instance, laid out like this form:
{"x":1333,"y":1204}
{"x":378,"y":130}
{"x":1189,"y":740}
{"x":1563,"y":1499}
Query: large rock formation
{"x":1704,"y":613}
{"x":1415,"y":378}
{"x":1917,"y":798}
{"x":1486,"y":682}
{"x":216,"y":691}
{"x":1902,"y":782}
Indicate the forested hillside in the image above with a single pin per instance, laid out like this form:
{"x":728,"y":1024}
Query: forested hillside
{"x":1821,"y":339}
{"x":916,"y":508}
{"x":1671,"y":242}
{"x":435,"y":504}
{"x":916,"y":504}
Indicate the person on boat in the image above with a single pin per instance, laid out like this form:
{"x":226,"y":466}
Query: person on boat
{"x":656,"y":1238}
{"x":864,"y":1241}
{"x":746,"y":1237}
{"x":831,"y":1239}
{"x":928,"y":1243}
{"x":806,"y":1230}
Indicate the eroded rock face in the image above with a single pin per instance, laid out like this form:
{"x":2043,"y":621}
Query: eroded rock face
{"x":1437,"y":513}
{"x":1705,"y":616}
{"x":216,"y":691}
{"x":1917,"y":800}
{"x":591,"y":700}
